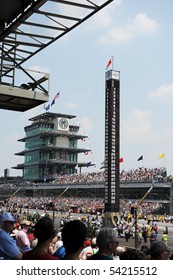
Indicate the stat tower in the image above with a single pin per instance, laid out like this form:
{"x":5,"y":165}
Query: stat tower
{"x":112,"y":147}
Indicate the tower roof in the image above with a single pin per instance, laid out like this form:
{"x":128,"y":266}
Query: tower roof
{"x":49,"y":115}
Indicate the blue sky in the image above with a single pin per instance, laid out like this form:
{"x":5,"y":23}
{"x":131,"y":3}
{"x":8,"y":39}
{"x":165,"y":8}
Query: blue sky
{"x":138,"y":34}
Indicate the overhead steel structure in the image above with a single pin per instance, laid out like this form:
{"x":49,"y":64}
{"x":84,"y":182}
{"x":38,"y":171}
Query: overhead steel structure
{"x":27,"y":27}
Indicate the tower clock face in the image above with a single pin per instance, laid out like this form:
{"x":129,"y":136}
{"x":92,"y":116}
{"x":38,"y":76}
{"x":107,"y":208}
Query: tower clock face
{"x":63,"y":123}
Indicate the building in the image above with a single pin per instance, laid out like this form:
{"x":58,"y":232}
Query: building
{"x":51,"y":147}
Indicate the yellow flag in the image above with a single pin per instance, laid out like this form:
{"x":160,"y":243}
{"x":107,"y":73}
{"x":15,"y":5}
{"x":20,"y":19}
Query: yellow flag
{"x":162,"y":156}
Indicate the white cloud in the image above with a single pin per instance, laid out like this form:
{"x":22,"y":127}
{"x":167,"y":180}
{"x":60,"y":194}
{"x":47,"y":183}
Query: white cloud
{"x":100,"y":20}
{"x":141,"y":25}
{"x":138,"y":127}
{"x":116,"y":35}
{"x":163,"y":92}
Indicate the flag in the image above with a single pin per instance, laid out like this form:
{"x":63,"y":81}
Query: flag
{"x":121,"y":160}
{"x":140,"y":158}
{"x":103,"y":163}
{"x":47,"y":107}
{"x":55,"y":97}
{"x":162,"y":156}
{"x":103,"y":166}
{"x":88,"y":164}
{"x":109,"y":63}
{"x":53,"y":102}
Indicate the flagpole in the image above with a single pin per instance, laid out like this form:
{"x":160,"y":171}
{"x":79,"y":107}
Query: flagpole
{"x":112,"y":57}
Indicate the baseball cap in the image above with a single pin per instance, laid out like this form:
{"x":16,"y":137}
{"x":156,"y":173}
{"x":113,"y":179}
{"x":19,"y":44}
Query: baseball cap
{"x":93,"y":241}
{"x":7,"y":217}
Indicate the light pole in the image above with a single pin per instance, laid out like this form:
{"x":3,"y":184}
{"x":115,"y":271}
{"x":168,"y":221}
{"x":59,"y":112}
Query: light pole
{"x":136,"y":214}
{"x":53,"y":204}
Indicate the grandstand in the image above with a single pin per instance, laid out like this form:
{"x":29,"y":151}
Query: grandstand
{"x":91,"y":185}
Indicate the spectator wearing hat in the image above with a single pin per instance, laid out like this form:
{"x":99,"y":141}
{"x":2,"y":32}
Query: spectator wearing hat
{"x":107,"y":243}
{"x":44,"y":232}
{"x":74,"y":234}
{"x":8,"y":248}
{"x":159,"y":251}
{"x":87,"y":251}
{"x":22,"y":239}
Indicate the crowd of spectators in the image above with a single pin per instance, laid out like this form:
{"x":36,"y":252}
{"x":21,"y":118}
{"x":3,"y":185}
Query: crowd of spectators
{"x":27,"y":207}
{"x":39,"y":241}
{"x":84,"y":205}
{"x":78,"y":205}
{"x":141,"y":174}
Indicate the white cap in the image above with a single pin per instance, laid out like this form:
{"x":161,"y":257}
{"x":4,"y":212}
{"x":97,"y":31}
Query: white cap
{"x":93,"y":241}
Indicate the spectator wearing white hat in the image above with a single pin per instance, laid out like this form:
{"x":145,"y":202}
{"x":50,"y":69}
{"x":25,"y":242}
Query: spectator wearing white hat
{"x":8,"y":248}
{"x":87,"y":250}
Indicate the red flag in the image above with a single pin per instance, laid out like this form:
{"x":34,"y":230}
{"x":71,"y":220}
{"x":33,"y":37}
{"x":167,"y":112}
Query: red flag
{"x":121,"y":160}
{"x":109,"y":63}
